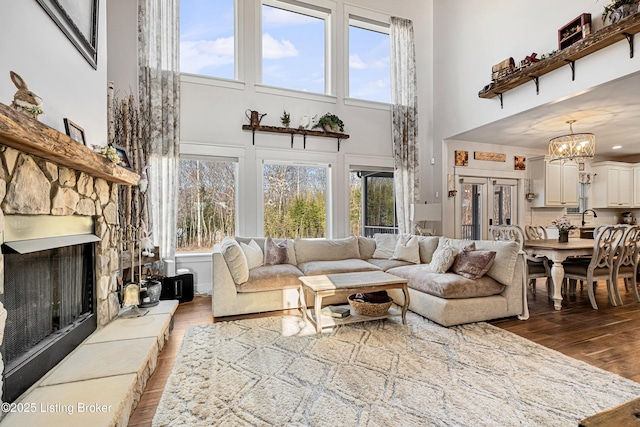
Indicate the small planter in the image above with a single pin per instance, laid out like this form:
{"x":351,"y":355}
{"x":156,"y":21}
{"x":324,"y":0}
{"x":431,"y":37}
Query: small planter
{"x":563,"y":237}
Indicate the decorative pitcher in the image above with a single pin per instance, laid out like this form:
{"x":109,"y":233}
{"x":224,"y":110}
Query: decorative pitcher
{"x":254,"y":117}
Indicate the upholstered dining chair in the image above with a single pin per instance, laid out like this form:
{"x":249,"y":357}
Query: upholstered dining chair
{"x":536,"y":267}
{"x":600,"y":267}
{"x":538,"y":232}
{"x":625,"y":265}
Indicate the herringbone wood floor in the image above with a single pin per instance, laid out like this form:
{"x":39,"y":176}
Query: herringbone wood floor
{"x":608,"y":338}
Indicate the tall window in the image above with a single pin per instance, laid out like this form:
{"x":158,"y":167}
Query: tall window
{"x":371,"y":203}
{"x":207,"y":38}
{"x":293,"y":47}
{"x":295,"y":201}
{"x":206,"y":203}
{"x":369,"y":72}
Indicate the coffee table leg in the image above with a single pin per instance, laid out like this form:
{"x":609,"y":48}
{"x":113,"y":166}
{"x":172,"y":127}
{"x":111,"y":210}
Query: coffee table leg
{"x":405,"y":307}
{"x":303,"y":304}
{"x":317,"y":308}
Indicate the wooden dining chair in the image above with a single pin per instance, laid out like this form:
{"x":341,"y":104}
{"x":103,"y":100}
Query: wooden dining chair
{"x":536,"y":267}
{"x":535,"y":232}
{"x":600,"y":267}
{"x":626,"y":261}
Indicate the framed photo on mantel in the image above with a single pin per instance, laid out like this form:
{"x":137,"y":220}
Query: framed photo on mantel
{"x":124,"y":157}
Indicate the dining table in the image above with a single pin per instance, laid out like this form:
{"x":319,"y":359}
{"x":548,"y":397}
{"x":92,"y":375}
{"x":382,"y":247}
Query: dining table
{"x":557,"y":252}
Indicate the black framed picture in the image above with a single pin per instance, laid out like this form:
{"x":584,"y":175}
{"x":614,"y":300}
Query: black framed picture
{"x":124,"y":157}
{"x":74,"y":131}
{"x":78,"y":20}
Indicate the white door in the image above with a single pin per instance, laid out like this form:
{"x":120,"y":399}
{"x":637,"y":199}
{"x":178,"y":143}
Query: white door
{"x":482,"y":202}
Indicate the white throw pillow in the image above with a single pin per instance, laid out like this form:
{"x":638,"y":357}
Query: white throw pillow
{"x":236,"y":260}
{"x":407,"y":249}
{"x":385,"y":245}
{"x":442,"y":259}
{"x":253,"y":253}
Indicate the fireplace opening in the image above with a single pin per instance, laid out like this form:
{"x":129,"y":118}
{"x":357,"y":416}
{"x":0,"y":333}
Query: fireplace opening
{"x":50,"y":303}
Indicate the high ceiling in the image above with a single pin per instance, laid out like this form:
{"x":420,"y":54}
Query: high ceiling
{"x":610,"y":111}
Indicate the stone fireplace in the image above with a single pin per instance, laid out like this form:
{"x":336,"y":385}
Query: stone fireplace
{"x":45,"y":174}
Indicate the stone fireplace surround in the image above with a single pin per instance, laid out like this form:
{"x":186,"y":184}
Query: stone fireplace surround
{"x":44,"y":172}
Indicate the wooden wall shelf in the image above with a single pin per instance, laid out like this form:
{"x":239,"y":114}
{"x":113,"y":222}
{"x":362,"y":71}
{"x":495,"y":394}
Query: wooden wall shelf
{"x":292,"y":131}
{"x":623,"y":29}
{"x":19,"y":131}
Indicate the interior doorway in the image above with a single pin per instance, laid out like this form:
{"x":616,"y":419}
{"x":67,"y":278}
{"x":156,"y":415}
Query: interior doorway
{"x":483,"y":202}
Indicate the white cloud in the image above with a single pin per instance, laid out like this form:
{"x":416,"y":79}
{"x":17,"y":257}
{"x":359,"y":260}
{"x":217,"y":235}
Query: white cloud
{"x":378,"y":84}
{"x":198,"y":55}
{"x":274,"y":49}
{"x":357,"y":63}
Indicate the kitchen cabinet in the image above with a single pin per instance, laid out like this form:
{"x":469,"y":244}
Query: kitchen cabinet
{"x":636,"y":186}
{"x":612,"y":185}
{"x":555,"y":184}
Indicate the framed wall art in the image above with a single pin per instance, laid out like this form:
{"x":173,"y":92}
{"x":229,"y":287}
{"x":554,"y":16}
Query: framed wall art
{"x":462,"y":158}
{"x":74,"y":131}
{"x":124,"y":157}
{"x":78,"y":20}
{"x":519,"y":163}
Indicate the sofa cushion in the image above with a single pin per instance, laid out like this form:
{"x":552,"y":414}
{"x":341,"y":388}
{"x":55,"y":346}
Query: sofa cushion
{"x":235,"y":259}
{"x":506,"y":255}
{"x":447,"y":285}
{"x":386,"y":264}
{"x":275,"y":253}
{"x":253,"y":253}
{"x":471,"y":263}
{"x":271,"y":277}
{"x":407,"y":249}
{"x":326,"y":249}
{"x":385,"y":245}
{"x":291,"y":255}
{"x":313,"y":268}
{"x":367,"y":246}
{"x":442,"y":259}
{"x":428,"y":245}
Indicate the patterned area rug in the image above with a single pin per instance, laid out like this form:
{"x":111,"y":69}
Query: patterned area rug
{"x":276,"y":371}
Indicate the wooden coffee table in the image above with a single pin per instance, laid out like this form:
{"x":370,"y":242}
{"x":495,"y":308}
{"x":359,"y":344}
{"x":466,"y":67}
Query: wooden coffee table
{"x":349,"y":283}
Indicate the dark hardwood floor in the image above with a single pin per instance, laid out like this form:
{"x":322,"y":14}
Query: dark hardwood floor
{"x":608,"y":338}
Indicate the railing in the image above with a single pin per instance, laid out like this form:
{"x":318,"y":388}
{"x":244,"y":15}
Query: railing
{"x":370,"y":230}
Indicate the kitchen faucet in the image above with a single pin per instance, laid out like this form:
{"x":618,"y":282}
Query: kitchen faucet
{"x":584,"y":212}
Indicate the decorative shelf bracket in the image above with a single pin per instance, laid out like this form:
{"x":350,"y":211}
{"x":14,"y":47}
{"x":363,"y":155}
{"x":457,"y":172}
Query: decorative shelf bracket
{"x":572,"y":64}
{"x":304,"y":132}
{"x":536,"y":79}
{"x":629,"y":38}
{"x":500,"y":96}
{"x":253,"y":136}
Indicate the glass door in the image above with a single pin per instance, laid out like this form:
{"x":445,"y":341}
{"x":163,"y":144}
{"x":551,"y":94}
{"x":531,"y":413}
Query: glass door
{"x":505,"y":192}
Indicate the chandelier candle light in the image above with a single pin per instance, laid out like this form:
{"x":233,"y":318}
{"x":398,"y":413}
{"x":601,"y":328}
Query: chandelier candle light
{"x":572,"y":147}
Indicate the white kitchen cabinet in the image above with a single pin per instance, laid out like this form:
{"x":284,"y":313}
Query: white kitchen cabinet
{"x":612,"y":185}
{"x":636,"y":186}
{"x":555,"y":184}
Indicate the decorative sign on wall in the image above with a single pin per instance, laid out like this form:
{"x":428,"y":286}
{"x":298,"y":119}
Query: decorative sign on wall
{"x":462,"y":158}
{"x":492,"y":157}
{"x":519,"y":163}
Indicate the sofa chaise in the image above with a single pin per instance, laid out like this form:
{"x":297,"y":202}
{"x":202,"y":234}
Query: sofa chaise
{"x":451,"y":281}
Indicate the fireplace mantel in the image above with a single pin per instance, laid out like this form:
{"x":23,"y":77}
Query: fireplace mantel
{"x":19,"y":131}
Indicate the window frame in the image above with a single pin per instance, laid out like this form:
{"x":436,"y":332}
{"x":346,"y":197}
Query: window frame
{"x":368,"y":20}
{"x":321,"y":9}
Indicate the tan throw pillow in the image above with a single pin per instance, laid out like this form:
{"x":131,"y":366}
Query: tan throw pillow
{"x":385,"y":245}
{"x":236,"y":260}
{"x":253,"y":253}
{"x":442,"y":259}
{"x":275,"y":253}
{"x":471,"y":263}
{"x":407,"y":249}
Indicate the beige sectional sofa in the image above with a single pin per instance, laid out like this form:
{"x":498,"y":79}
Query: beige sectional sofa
{"x":446,"y":298}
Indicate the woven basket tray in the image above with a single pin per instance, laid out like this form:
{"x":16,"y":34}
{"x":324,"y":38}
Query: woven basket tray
{"x":369,"y":308}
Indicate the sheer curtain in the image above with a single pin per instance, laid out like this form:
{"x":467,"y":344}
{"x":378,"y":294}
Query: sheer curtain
{"x":404,"y":100}
{"x":159,"y":90}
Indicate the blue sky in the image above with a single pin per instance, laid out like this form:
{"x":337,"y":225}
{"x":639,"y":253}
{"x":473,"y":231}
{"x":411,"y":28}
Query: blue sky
{"x":292,"y":46}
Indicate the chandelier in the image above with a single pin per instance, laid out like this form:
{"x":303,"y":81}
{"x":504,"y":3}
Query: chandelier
{"x":575,"y":146}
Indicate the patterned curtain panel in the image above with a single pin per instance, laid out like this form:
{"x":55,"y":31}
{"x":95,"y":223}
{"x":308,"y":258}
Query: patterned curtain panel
{"x":159,"y":84}
{"x":404,"y":100}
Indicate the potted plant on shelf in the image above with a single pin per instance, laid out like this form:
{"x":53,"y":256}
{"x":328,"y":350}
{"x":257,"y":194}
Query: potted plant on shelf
{"x":285,"y":119}
{"x":330,"y":123}
{"x":618,"y":9}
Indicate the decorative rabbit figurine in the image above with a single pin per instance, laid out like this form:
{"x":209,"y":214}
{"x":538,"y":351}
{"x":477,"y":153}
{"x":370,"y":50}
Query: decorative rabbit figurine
{"x":146,"y":242}
{"x":143,"y":184}
{"x":24,"y":100}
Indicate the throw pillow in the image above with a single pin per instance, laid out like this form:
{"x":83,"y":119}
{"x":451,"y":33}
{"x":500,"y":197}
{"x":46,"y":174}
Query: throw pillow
{"x":275,"y":253}
{"x":236,"y":260}
{"x":385,"y":245}
{"x":442,"y":259}
{"x":253,"y":253}
{"x":471,"y":263}
{"x":407,"y":249}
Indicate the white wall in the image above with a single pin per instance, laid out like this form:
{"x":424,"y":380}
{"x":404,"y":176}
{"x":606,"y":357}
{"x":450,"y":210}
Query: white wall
{"x":212,"y":115}
{"x":33,"y":46}
{"x":122,"y":19}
